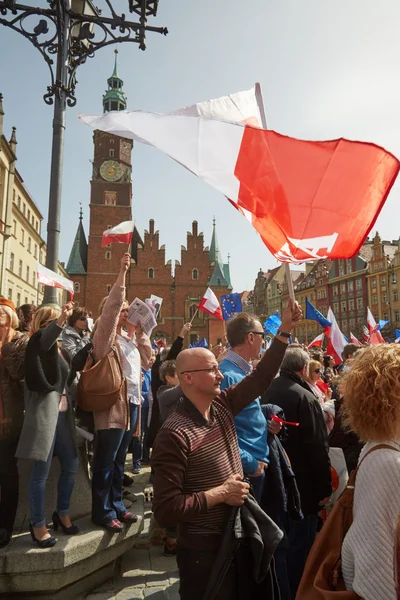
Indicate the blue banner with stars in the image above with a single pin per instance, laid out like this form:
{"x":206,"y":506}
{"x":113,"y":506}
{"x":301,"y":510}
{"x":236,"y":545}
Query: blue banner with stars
{"x":231,"y":304}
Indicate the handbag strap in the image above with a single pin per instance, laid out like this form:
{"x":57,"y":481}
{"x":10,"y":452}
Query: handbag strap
{"x":353,"y":476}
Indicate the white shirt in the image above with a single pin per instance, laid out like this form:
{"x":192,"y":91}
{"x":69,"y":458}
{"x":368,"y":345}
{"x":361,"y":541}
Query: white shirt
{"x":368,"y":551}
{"x":131,"y":368}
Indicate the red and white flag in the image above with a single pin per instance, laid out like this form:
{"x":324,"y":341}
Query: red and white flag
{"x":354,"y":340}
{"x":337,"y":341}
{"x":47,"y":277}
{"x":319,"y":340}
{"x":307,"y":200}
{"x":375,"y":336}
{"x":210,"y":304}
{"x":121,"y":233}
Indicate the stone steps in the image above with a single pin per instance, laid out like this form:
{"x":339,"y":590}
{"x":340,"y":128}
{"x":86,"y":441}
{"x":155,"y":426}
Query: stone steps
{"x":29,"y":572}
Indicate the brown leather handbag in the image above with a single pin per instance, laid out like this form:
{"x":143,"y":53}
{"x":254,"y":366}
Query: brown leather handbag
{"x":102,"y":383}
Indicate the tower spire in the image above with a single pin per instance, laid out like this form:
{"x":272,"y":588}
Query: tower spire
{"x":214,"y":254}
{"x":114,"y":98}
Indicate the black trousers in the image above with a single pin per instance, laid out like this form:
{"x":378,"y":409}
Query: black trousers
{"x":195,"y":568}
{"x":9,"y":485}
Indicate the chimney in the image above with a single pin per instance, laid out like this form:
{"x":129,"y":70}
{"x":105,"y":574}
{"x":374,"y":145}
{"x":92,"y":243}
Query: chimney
{"x":194,"y":228}
{"x":1,"y":114}
{"x":13,"y":140}
{"x":151,"y":226}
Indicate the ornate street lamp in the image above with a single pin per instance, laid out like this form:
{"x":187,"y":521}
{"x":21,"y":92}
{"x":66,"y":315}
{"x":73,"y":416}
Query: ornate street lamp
{"x":66,"y":33}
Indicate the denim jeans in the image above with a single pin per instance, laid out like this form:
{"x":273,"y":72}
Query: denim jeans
{"x":136,"y":440}
{"x":257,"y":484}
{"x":64,"y":447}
{"x":301,"y":537}
{"x":110,"y":448}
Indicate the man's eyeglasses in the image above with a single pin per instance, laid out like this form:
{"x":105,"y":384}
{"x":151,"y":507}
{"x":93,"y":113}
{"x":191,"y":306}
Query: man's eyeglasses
{"x":213,"y":370}
{"x":258,"y":333}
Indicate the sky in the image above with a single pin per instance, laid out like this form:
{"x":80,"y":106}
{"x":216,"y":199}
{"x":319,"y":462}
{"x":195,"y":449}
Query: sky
{"x":327,"y":70}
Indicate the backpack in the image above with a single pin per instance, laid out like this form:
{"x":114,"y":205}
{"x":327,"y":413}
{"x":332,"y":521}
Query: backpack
{"x":322,"y":577}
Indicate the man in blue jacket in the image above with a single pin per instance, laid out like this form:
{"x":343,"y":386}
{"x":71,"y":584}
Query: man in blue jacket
{"x":245,"y":336}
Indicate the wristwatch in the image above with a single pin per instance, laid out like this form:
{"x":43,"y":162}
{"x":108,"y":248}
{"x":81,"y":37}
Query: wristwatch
{"x":284,"y":334}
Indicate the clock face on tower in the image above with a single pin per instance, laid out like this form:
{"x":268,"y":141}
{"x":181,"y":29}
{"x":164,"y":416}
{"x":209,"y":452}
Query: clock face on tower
{"x":111,"y":170}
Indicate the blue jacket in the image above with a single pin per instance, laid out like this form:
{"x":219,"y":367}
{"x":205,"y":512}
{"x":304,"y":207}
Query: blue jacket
{"x":251,"y":425}
{"x":146,"y":386}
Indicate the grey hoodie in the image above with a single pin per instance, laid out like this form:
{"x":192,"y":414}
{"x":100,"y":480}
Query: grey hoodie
{"x":168,"y":399}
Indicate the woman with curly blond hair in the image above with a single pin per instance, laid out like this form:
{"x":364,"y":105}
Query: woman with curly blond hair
{"x":372,"y":405}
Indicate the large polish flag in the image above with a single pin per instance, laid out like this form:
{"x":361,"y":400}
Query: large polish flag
{"x":121,"y":233}
{"x":308,"y":200}
{"x":48,"y":277}
{"x":317,"y":342}
{"x":337,"y":341}
{"x":210,"y":304}
{"x":375,"y":336}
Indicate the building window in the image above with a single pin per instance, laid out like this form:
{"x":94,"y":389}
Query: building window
{"x":350,"y":286}
{"x":335,"y":290}
{"x":29,"y":244}
{"x":10,"y":293}
{"x":383,"y":280}
{"x":111,"y":153}
{"x":20,"y":268}
{"x":12,"y":262}
{"x":34,"y":279}
{"x":18,"y":300}
{"x":351,"y":304}
{"x":381,"y":265}
{"x":15,"y":229}
{"x":336,"y":307}
{"x":341,"y":268}
{"x":192,"y":310}
{"x":77,"y":287}
{"x":384,"y":298}
{"x":343,"y":306}
{"x":150,"y":273}
{"x":373,"y":283}
{"x":342,"y":288}
{"x":36,"y":251}
{"x":319,"y":294}
{"x":19,"y":202}
{"x":349,"y":266}
{"x":374,"y":299}
{"x":108,"y":289}
{"x":385,"y":316}
{"x":360,"y":303}
{"x":26,"y":300}
{"x":108,"y":255}
{"x":358,"y":284}
{"x":397,"y":315}
{"x":27,"y":274}
{"x":395,"y":295}
{"x":29,"y":215}
{"x":24,"y":208}
{"x":195,"y":274}
{"x":111,"y":141}
{"x":22,"y":237}
{"x":352,"y":322}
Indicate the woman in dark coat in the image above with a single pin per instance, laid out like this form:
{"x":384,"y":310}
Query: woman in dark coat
{"x":49,"y":426}
{"x":12,"y":353}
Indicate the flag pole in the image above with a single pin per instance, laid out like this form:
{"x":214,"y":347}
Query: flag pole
{"x":260,"y":102}
{"x":192,"y":319}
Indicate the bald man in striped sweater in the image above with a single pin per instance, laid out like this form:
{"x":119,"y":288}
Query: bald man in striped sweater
{"x":197,"y":468}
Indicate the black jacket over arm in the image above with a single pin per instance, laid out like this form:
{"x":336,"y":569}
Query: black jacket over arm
{"x":306,"y":445}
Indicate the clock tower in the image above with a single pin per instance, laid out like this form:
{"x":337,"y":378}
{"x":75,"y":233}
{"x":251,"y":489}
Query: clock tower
{"x":110,"y":198}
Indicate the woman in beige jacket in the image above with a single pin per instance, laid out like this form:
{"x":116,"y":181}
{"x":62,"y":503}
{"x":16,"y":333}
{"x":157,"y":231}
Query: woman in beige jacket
{"x":115,"y":426}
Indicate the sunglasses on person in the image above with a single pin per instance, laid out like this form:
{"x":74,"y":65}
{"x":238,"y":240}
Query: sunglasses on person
{"x":258,"y":333}
{"x":317,"y":371}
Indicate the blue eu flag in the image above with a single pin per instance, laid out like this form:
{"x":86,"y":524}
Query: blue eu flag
{"x":231,"y":304}
{"x":272,"y":324}
{"x":314,"y":315}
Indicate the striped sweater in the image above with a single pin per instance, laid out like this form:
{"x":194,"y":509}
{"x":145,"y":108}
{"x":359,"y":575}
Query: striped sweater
{"x":192,"y":455}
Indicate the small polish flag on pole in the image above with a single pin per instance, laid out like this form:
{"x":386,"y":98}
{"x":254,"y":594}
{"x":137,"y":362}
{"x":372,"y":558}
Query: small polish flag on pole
{"x":47,"y":277}
{"x":210,"y":304}
{"x":354,"y":340}
{"x":121,"y":234}
{"x":317,"y":343}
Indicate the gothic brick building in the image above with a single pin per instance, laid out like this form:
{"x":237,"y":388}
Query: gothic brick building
{"x":93,"y":268}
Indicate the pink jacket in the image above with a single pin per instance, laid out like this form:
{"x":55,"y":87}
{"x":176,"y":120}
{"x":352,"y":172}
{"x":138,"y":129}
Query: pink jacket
{"x":117,"y":417}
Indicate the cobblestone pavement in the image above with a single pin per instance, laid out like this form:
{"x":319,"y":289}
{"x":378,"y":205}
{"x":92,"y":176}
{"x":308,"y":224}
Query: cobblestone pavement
{"x":144,"y":571}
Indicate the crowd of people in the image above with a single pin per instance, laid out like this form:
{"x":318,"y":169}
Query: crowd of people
{"x":238,"y":438}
